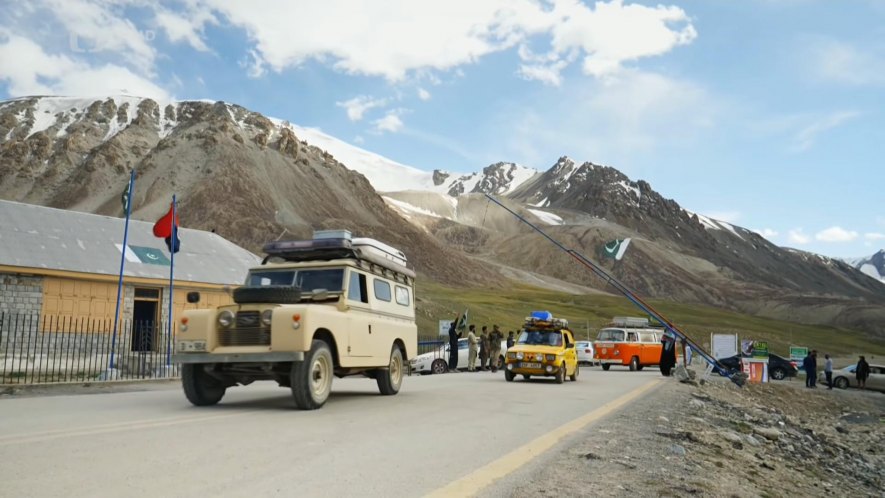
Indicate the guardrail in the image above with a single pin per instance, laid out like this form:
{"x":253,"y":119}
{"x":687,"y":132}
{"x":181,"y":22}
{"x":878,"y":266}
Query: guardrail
{"x":38,"y":349}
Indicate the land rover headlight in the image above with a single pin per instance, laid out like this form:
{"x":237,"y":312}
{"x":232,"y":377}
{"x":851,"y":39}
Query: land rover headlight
{"x":225,"y":319}
{"x":267,"y":317}
{"x":520,"y":356}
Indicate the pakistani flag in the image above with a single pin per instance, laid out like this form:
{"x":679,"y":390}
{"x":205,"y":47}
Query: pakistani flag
{"x":461,"y":324}
{"x":616,"y":248}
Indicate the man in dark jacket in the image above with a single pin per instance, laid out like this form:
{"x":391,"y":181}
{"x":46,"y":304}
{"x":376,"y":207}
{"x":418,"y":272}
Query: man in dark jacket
{"x":454,"y":335}
{"x":668,"y":354}
{"x":809,"y":364}
{"x":862,"y":371}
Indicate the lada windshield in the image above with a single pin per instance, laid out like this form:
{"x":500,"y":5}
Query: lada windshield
{"x":613,"y":335}
{"x":331,"y":279}
{"x":541,"y":337}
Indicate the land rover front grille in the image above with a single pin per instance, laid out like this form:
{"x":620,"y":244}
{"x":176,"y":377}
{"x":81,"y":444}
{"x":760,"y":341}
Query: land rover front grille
{"x":247,"y":330}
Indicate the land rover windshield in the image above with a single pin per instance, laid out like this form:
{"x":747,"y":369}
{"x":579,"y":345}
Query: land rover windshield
{"x":612,"y":335}
{"x":308,"y":280}
{"x":546,"y":337}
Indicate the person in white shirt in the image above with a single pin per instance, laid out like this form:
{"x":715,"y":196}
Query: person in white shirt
{"x":828,"y":371}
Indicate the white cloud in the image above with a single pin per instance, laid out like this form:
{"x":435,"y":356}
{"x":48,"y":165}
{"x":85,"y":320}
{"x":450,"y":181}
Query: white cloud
{"x":29,"y":70}
{"x":768,"y":233}
{"x":805,"y":138}
{"x":402,"y":36}
{"x":185,"y":28}
{"x":359,"y":140}
{"x":357,"y":106}
{"x":835,"y":234}
{"x":798,"y":236}
{"x":874,"y":236}
{"x":390,"y":122}
{"x":841,"y":62}
{"x":423,"y":94}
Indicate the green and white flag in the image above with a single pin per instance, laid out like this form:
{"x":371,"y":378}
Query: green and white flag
{"x":616,"y":248}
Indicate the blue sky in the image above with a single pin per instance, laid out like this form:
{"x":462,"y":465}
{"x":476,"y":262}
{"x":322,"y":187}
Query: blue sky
{"x":764,"y":113}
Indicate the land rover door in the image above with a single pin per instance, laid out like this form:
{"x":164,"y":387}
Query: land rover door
{"x":359,"y":314}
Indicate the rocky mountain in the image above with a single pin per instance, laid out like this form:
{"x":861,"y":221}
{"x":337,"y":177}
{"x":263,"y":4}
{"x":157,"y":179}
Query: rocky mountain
{"x":873,"y":266}
{"x":251,"y":178}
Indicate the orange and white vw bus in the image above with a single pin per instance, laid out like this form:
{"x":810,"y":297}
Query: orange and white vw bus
{"x":628,"y":341}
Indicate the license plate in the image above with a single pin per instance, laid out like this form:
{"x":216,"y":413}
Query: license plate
{"x":530,"y":365}
{"x":188,"y":346}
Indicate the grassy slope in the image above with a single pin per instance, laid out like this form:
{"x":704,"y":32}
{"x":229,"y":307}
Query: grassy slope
{"x":508,"y":308}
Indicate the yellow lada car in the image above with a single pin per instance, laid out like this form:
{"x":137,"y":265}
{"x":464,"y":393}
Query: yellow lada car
{"x":546,"y":347}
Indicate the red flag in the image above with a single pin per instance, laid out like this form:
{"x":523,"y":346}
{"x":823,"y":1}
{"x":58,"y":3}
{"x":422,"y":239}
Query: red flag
{"x":163,"y":226}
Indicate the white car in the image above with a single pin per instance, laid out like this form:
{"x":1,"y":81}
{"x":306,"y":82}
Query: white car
{"x":437,"y":361}
{"x":585,"y":352}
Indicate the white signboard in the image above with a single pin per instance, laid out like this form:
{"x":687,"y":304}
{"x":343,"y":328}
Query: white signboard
{"x":444,"y":327}
{"x":724,"y":345}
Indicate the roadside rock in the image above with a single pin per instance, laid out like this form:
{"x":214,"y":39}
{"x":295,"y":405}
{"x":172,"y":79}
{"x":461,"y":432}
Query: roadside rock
{"x":768,"y":433}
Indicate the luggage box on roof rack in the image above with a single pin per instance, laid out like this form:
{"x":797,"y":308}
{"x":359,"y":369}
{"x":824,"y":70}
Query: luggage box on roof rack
{"x":630,"y":321}
{"x":379,"y":249}
{"x":332,"y":234}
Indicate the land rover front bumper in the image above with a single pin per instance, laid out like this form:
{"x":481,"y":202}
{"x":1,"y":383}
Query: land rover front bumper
{"x":275,"y":357}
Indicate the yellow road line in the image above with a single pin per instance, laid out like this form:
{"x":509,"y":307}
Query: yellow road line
{"x":116,"y":427}
{"x":476,"y":481}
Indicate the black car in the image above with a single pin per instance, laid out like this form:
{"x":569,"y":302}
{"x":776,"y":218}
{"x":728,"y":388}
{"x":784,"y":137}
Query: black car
{"x":778,"y":368}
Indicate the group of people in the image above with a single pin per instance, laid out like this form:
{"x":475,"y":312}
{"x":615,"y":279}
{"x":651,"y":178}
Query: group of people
{"x":486,"y":347}
{"x":809,"y":363}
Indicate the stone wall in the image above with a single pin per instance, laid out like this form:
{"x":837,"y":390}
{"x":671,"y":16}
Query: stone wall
{"x":21,"y":294}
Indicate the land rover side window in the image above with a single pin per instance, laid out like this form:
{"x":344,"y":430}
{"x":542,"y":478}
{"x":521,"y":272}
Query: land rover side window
{"x":262,"y":278}
{"x":356,"y":290}
{"x":330,"y":279}
{"x":382,"y":290}
{"x":402,"y":295}
{"x":613,"y":335}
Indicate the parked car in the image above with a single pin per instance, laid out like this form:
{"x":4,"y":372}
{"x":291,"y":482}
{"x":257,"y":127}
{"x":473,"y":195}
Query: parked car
{"x":437,"y":361}
{"x":778,"y":368}
{"x":846,"y":377}
{"x":585,"y":352}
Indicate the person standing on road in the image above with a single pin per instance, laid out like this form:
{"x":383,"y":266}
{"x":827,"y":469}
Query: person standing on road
{"x":495,"y":339}
{"x":472,"y":343}
{"x":814,"y":369}
{"x":510,"y":340}
{"x":484,"y":348}
{"x":809,"y":367}
{"x":828,"y":371}
{"x":862,"y":371}
{"x":453,"y":345}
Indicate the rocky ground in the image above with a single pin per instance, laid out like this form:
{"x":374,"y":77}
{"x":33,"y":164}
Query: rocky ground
{"x":715,"y":439}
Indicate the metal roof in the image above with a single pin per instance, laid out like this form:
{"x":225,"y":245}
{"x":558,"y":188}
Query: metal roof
{"x":56,"y":239}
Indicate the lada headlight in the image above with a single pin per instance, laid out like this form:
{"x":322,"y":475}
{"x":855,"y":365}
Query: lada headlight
{"x":519,"y":355}
{"x":225,"y":319}
{"x":267,"y":317}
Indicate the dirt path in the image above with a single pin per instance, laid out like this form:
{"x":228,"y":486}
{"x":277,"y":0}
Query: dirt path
{"x":717,"y":440}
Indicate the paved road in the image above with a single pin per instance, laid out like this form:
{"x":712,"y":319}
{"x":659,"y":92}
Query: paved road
{"x":435,"y":433}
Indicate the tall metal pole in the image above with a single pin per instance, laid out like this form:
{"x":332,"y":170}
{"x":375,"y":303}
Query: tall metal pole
{"x":174,"y":235}
{"x":718,"y":367}
{"x":128,"y":197}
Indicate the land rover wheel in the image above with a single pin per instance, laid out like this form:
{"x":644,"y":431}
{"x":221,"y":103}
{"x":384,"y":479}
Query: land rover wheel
{"x":200,"y":388}
{"x":778,"y":374}
{"x":606,"y":366}
{"x":574,"y":377}
{"x":634,"y":364}
{"x":439,"y":367}
{"x":841,"y":383}
{"x":390,"y":380}
{"x":312,"y":378}
{"x":560,"y":374}
{"x":509,"y":376}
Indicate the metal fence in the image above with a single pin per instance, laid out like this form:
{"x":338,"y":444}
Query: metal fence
{"x":38,"y":349}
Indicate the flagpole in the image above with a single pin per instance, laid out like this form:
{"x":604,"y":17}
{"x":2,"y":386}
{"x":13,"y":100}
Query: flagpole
{"x":174,"y":236}
{"x":122,"y":263}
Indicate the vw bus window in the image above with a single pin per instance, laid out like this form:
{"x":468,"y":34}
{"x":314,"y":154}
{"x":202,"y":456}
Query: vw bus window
{"x":611,"y":335}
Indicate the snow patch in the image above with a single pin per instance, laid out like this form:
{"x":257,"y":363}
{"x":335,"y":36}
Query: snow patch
{"x":548,"y":218}
{"x":629,"y":188}
{"x":408,"y":208}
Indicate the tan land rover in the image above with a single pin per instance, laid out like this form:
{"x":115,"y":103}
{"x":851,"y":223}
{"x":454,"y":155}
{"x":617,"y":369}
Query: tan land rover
{"x":314,"y":309}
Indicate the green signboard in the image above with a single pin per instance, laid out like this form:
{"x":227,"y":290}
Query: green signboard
{"x":798,"y":352}
{"x":150,"y":256}
{"x":760,"y":349}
